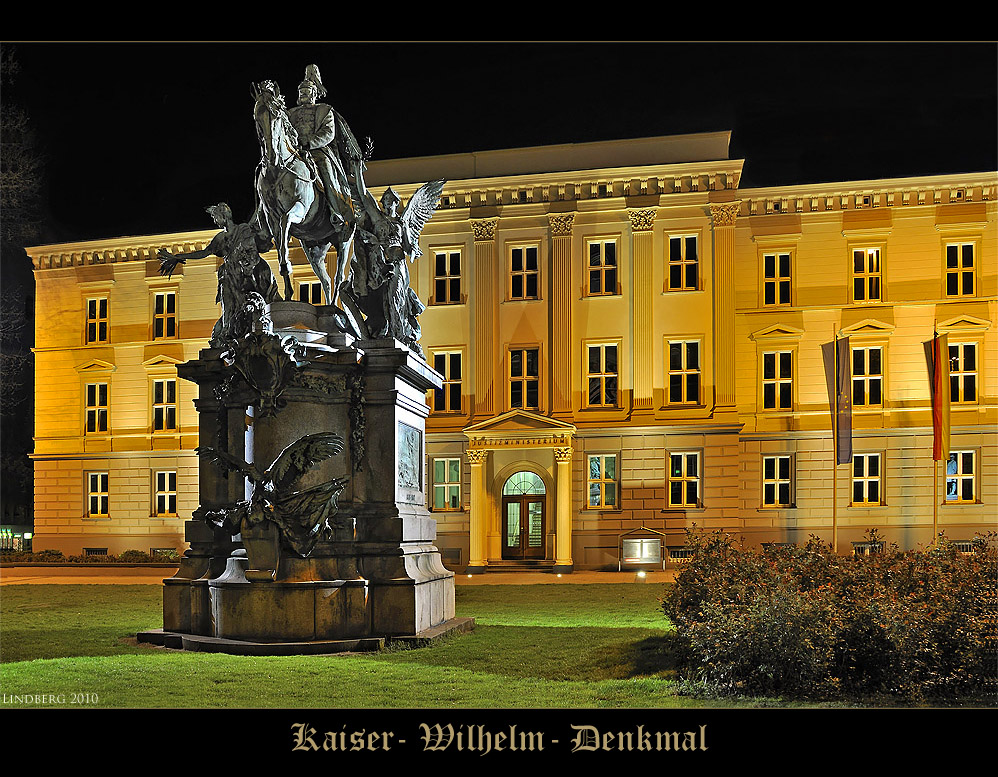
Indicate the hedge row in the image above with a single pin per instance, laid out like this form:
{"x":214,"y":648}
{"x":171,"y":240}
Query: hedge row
{"x":803,"y":622}
{"x":57,"y":557}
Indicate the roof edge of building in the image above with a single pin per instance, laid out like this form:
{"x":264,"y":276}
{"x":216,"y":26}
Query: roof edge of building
{"x":565,"y":157}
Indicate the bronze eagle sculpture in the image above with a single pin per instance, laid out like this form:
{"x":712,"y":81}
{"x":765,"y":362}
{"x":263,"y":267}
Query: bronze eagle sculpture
{"x":301,"y":515}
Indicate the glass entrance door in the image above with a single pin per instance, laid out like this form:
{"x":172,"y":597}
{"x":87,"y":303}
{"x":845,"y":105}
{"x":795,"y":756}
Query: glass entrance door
{"x":523,"y":517}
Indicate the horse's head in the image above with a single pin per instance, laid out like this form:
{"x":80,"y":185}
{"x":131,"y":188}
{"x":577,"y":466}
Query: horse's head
{"x":273,"y":127}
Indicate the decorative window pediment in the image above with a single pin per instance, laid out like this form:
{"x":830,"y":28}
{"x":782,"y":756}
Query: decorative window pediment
{"x":868,"y":327}
{"x":161,"y":362}
{"x":778,"y":332}
{"x":963,"y":324}
{"x":95,"y":366}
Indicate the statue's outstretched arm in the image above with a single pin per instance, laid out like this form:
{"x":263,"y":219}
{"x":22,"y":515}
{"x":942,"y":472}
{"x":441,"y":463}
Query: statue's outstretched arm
{"x":168,"y":262}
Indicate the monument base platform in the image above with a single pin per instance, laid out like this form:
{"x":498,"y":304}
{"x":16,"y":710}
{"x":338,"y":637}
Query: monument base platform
{"x":305,"y":550}
{"x":238,"y":647}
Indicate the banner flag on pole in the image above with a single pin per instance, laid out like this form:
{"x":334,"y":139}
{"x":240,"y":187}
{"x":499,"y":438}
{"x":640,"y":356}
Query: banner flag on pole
{"x":937,"y":356}
{"x":838,"y":375}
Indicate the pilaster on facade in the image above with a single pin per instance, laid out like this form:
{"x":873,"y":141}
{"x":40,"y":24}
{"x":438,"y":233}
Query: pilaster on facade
{"x":478,"y":553}
{"x":642,"y":301}
{"x":488,"y":290}
{"x":561,"y":225}
{"x":563,"y":520}
{"x":722,"y":218}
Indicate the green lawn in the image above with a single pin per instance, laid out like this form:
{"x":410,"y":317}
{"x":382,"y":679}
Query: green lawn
{"x":540,"y":646}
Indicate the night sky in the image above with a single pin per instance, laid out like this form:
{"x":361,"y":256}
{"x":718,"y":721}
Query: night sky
{"x":140,"y":137}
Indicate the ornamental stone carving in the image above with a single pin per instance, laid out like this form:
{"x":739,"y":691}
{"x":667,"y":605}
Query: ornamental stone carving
{"x":485,"y":229}
{"x":476,"y":456}
{"x":563,"y":454}
{"x":358,"y":420}
{"x":641,"y":220}
{"x":561,"y":224}
{"x":723,"y":214}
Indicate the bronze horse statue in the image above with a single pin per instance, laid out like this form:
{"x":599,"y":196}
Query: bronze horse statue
{"x":290,"y":199}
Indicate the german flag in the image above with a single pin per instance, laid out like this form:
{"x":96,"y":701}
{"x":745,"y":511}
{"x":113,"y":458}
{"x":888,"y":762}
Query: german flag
{"x":937,"y":355}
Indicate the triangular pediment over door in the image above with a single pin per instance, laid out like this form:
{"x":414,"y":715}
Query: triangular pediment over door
{"x":520,"y":428}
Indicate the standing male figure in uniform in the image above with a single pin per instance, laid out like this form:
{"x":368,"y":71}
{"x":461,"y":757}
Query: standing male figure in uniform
{"x":324,"y":137}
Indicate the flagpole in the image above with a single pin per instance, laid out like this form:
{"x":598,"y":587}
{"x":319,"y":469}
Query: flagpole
{"x":835,"y":443}
{"x":935,"y":461}
{"x":935,"y":501}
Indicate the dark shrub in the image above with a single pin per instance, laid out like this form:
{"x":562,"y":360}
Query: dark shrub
{"x":804,"y":622}
{"x":134,"y":557}
{"x":92,"y":559}
{"x":126,"y":557}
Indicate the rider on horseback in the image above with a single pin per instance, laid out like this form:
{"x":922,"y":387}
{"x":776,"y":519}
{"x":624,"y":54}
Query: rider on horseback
{"x":325,"y":138}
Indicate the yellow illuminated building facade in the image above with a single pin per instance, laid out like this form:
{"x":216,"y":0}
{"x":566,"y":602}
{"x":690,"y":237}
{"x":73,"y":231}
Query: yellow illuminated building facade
{"x":630,"y":344}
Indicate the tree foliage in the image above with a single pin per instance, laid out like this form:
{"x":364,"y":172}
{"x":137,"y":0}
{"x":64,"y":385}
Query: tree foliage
{"x":21,"y":178}
{"x":21,"y":166}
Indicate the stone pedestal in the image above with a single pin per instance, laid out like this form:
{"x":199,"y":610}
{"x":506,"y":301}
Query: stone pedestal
{"x":377,"y":573}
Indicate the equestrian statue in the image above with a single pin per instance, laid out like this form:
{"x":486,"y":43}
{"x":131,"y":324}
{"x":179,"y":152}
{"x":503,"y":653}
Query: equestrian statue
{"x":309,"y":158}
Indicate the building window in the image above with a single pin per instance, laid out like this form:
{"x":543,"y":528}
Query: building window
{"x":446,"y":484}
{"x":166,"y":493}
{"x":866,"y":474}
{"x":684,"y":372}
{"x":523,"y":279}
{"x":684,"y":480}
{"x":777,"y":481}
{"x":777,"y":380}
{"x":446,"y":277}
{"x":97,"y":320}
{"x":776,"y":278}
{"x":963,"y":372}
{"x":164,"y":317}
{"x":447,"y":398}
{"x":524,"y":378}
{"x":866,"y":275}
{"x":310,"y":292}
{"x":164,"y":405}
{"x":960,"y":475}
{"x":97,"y":495}
{"x":867,"y":377}
{"x":96,"y":408}
{"x":602,"y":375}
{"x":602,"y":278}
{"x":684,"y":263}
{"x":602,"y":481}
{"x":960,"y":272}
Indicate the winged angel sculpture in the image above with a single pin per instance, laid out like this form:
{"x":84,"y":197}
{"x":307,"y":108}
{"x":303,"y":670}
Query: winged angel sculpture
{"x":301,"y":515}
{"x":379,"y":280}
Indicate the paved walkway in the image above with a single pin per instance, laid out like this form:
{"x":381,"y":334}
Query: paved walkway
{"x":135,"y":575}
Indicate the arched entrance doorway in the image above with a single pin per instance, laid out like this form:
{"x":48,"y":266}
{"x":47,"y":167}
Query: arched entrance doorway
{"x":523,"y":516}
